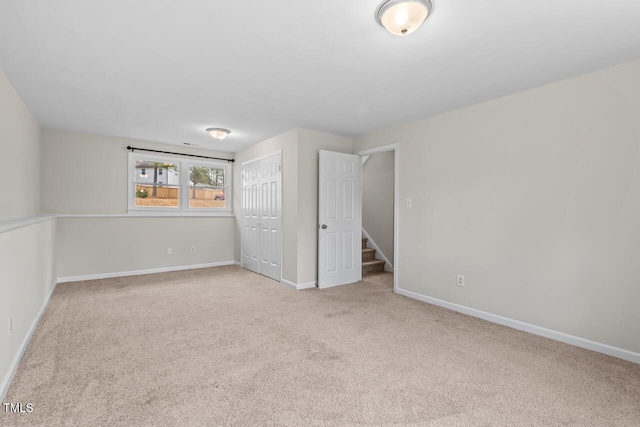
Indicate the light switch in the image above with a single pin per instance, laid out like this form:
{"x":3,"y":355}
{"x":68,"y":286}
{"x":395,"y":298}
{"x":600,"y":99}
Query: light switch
{"x":409,"y":203}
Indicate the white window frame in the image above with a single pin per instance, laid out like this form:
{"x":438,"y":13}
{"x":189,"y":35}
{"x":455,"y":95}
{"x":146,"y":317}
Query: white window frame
{"x":183,"y":169}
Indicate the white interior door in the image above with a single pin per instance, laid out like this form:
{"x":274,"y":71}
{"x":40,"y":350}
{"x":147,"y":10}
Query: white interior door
{"x":340,"y":219}
{"x":262,"y":216}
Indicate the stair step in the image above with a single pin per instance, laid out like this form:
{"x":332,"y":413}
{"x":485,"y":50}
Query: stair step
{"x":364,"y":243}
{"x":368,"y":254}
{"x":376,"y":266}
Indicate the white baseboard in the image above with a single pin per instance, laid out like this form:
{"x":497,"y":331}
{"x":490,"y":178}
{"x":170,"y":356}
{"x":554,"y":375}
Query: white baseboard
{"x":308,"y":285}
{"x":387,"y":264}
{"x":6,"y":381}
{"x":300,"y":286}
{"x":139,"y":272}
{"x":289,"y":284}
{"x":527,"y":327}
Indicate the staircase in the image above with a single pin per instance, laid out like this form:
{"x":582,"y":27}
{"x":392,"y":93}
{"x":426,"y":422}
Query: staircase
{"x":369,"y":262}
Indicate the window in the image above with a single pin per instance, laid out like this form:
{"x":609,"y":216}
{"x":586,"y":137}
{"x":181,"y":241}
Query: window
{"x":172,"y":184}
{"x":150,"y":190}
{"x":207,"y":187}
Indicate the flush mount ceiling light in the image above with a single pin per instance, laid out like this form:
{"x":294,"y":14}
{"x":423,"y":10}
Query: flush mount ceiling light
{"x":218,"y":133}
{"x":402,"y":17}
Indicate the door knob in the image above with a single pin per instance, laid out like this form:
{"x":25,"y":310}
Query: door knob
{"x":324,"y":226}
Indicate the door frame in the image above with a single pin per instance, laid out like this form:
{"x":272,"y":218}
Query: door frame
{"x":396,"y":201}
{"x":280,"y":203}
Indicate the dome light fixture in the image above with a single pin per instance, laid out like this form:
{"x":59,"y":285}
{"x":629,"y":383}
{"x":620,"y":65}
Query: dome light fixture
{"x":403,"y":17}
{"x":218,"y":133}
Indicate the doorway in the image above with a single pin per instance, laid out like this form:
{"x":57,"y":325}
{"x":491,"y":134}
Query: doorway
{"x":262,"y":216}
{"x":380,"y":204}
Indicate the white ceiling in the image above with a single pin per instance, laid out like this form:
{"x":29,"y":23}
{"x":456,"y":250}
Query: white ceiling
{"x":164,"y":70}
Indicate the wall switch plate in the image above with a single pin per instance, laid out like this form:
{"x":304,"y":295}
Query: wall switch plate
{"x":193,"y":249}
{"x":460,"y":280}
{"x":409,"y":203}
{"x":169,"y":251}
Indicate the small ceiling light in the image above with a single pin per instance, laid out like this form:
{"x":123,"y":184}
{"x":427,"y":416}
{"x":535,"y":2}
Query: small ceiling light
{"x":218,"y":133}
{"x":402,"y":17}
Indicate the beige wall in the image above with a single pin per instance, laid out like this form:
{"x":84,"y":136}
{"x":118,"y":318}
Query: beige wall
{"x":310,"y":144}
{"x":87,"y":174}
{"x":377,"y":200}
{"x":94,"y":246}
{"x":27,"y":276}
{"x":288,"y":143}
{"x":535,"y":197}
{"x":27,"y":255}
{"x":20,"y":154}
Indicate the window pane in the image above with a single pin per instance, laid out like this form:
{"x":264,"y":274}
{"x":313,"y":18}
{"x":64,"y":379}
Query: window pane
{"x":160,"y":195}
{"x":207,"y":197}
{"x":206,"y":187}
{"x":157,"y":184}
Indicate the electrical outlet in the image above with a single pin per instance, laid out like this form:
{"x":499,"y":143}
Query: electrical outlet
{"x":460,"y":280}
{"x":409,"y":203}
{"x":10,"y":325}
{"x":169,"y":251}
{"x":193,"y":249}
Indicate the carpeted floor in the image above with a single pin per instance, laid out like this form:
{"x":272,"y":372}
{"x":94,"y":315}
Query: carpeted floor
{"x":224,"y":346}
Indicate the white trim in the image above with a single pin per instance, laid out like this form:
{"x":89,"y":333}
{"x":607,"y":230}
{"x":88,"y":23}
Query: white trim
{"x":6,"y":381}
{"x":308,"y":285}
{"x":527,"y":327}
{"x":299,"y":287}
{"x":387,"y":264}
{"x":289,"y":284}
{"x":396,"y":215}
{"x":396,"y":202}
{"x":12,"y":224}
{"x":140,"y":272}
